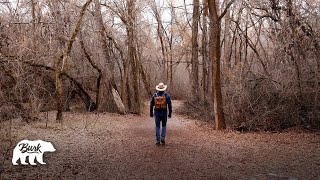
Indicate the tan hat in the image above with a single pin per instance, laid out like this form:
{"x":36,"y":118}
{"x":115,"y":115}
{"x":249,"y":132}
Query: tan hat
{"x":161,"y":87}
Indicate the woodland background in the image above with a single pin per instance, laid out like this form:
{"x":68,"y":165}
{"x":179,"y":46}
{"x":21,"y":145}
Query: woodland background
{"x":249,"y":64}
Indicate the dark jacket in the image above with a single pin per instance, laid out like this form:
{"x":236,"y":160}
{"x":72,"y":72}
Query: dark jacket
{"x":161,"y":112}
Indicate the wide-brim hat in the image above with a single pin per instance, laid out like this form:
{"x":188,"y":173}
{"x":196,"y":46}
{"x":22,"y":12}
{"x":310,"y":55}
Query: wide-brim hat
{"x":161,"y":87}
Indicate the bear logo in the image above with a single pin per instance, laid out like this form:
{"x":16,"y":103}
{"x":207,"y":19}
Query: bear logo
{"x":33,"y":150}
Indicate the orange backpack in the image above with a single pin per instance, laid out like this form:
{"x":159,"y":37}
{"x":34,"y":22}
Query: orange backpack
{"x":160,"y":102}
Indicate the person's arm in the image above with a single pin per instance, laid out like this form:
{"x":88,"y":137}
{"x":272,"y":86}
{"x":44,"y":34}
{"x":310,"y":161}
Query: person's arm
{"x":151,"y":106}
{"x":169,"y":105}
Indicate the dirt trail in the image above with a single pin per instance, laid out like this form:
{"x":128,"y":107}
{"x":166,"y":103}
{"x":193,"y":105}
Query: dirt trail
{"x":111,"y":146}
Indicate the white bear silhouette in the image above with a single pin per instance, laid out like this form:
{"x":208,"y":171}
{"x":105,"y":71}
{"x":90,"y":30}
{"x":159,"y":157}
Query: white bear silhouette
{"x":33,"y":150}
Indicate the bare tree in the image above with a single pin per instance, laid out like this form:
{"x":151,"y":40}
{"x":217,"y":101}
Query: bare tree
{"x":215,"y":56}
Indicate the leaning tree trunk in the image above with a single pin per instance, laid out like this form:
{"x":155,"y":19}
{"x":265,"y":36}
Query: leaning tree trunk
{"x":109,"y":98}
{"x":97,"y":68}
{"x":215,"y":53}
{"x":61,"y":62}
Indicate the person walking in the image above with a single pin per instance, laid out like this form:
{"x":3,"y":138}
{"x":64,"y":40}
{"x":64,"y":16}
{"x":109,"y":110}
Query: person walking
{"x":160,"y":104}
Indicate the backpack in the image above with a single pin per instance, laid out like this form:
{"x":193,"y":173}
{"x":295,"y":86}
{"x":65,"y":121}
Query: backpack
{"x":160,"y":102}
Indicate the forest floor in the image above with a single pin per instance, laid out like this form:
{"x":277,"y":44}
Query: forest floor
{"x":112,"y":146}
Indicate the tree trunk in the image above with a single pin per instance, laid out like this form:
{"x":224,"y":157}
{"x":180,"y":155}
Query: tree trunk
{"x":205,"y":51}
{"x":171,"y":51}
{"x":33,"y":100}
{"x":295,"y":48}
{"x":195,"y":49}
{"x":124,"y":84}
{"x":59,"y":96}
{"x":215,"y":53}
{"x":164,"y":50}
{"x":145,"y":80}
{"x":133,"y":58}
{"x":107,"y":98}
{"x":226,"y":44}
{"x":98,"y":69}
{"x":61,"y":62}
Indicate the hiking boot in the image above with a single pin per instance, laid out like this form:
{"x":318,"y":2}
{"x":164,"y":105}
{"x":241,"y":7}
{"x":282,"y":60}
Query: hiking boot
{"x":163,"y":141}
{"x":158,"y":143}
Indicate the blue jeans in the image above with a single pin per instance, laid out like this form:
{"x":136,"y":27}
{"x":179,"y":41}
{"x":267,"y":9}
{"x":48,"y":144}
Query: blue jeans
{"x":158,"y":119}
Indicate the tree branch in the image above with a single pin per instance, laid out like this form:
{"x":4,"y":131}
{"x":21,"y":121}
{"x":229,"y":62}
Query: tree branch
{"x":225,"y":10}
{"x":90,"y":105}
